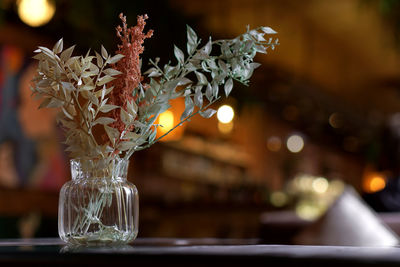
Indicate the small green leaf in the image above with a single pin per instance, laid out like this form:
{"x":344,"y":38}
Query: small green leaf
{"x":228,"y":86}
{"x":69,"y":116}
{"x":191,"y":35}
{"x":105,"y":79}
{"x":268,"y":30}
{"x":207,"y":48}
{"x":104,"y":121}
{"x":189,"y":107}
{"x":99,"y":60}
{"x":209,"y":92}
{"x":153,"y":136}
{"x":126,"y":145}
{"x":112,"y":133}
{"x":58,"y":47}
{"x":107,"y":108}
{"x":215,"y":89}
{"x":55,"y":103}
{"x":112,"y":72}
{"x":92,"y":98}
{"x":192,"y":40}
{"x":179,"y":54}
{"x":115,"y":59}
{"x":208,"y":113}
{"x":68,"y":86}
{"x":202,"y":80}
{"x":198,"y":97}
{"x":87,"y":88}
{"x":104,"y":53}
{"x":153,"y":72}
{"x":66,"y":54}
{"x":126,"y":118}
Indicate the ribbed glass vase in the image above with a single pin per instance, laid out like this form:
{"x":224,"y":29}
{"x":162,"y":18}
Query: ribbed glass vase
{"x":98,"y":206}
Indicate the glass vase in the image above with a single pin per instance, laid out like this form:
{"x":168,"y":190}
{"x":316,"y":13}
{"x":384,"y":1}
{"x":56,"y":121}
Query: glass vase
{"x":98,"y":206}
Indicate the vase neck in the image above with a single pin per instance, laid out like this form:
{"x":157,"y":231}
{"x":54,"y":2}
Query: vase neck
{"x":99,"y":168}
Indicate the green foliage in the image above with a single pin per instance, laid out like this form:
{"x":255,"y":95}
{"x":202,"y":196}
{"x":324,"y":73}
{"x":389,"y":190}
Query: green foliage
{"x":79,"y":85}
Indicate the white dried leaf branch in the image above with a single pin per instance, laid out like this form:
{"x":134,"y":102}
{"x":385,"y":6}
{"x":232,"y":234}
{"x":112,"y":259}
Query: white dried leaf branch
{"x":79,"y":85}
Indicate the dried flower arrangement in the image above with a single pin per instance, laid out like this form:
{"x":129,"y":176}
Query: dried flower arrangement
{"x":108,"y":109}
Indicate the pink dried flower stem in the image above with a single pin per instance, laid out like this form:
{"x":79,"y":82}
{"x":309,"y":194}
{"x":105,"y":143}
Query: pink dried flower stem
{"x":131,"y":47}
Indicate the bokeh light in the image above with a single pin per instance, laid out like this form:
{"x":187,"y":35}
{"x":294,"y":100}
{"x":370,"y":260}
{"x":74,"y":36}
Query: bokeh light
{"x":308,"y":210}
{"x":295,"y":143}
{"x":166,"y":119}
{"x":320,"y":185}
{"x":335,"y":120}
{"x":274,"y":143}
{"x":36,"y":13}
{"x":278,"y":199}
{"x":225,"y":114}
{"x":374,"y":182}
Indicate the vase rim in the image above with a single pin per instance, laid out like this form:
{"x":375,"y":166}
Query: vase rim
{"x":99,"y":168}
{"x":98,"y":160}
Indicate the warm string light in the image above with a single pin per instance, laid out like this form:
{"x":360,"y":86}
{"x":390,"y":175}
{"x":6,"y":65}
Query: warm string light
{"x":166,"y":119}
{"x":320,"y":185}
{"x":36,"y":13}
{"x":374,"y":182}
{"x":295,"y":143}
{"x":225,"y":115}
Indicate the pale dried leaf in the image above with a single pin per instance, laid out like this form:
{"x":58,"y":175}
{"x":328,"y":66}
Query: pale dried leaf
{"x":268,"y":30}
{"x":126,"y":145}
{"x":179,"y":54}
{"x":66,"y":54}
{"x":69,"y":116}
{"x":68,"y":86}
{"x":115,"y":59}
{"x":198,"y":98}
{"x":103,"y":121}
{"x":58,"y":47}
{"x":189,"y":106}
{"x":202,"y":80}
{"x":108,"y":108}
{"x":105,"y":79}
{"x":112,"y":133}
{"x":99,"y":60}
{"x":126,"y":118}
{"x":104,"y":53}
{"x":208,"y":113}
{"x":228,"y":86}
{"x":112,"y":72}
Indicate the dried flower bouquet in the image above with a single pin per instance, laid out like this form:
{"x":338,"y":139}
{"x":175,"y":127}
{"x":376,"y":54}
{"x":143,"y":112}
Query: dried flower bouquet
{"x":108,"y":109}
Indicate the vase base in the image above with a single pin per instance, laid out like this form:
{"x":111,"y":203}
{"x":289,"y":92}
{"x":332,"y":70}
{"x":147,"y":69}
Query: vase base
{"x":100,"y":238}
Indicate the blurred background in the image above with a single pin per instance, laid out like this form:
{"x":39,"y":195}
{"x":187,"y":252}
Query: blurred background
{"x":321,"y":114}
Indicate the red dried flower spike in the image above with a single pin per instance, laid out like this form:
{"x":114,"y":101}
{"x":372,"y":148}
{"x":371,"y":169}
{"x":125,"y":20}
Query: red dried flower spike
{"x":131,"y":47}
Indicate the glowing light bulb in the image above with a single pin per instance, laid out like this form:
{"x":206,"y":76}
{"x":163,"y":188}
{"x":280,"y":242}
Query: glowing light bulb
{"x":36,"y":13}
{"x":225,"y":114}
{"x":320,"y":185}
{"x":376,"y":184}
{"x":166,"y":119}
{"x":295,"y":143}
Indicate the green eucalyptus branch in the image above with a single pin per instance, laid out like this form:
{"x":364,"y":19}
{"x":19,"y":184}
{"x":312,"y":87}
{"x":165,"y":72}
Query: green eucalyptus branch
{"x":66,"y":81}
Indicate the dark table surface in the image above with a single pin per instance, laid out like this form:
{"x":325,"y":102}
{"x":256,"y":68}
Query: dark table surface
{"x":191,"y":252}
